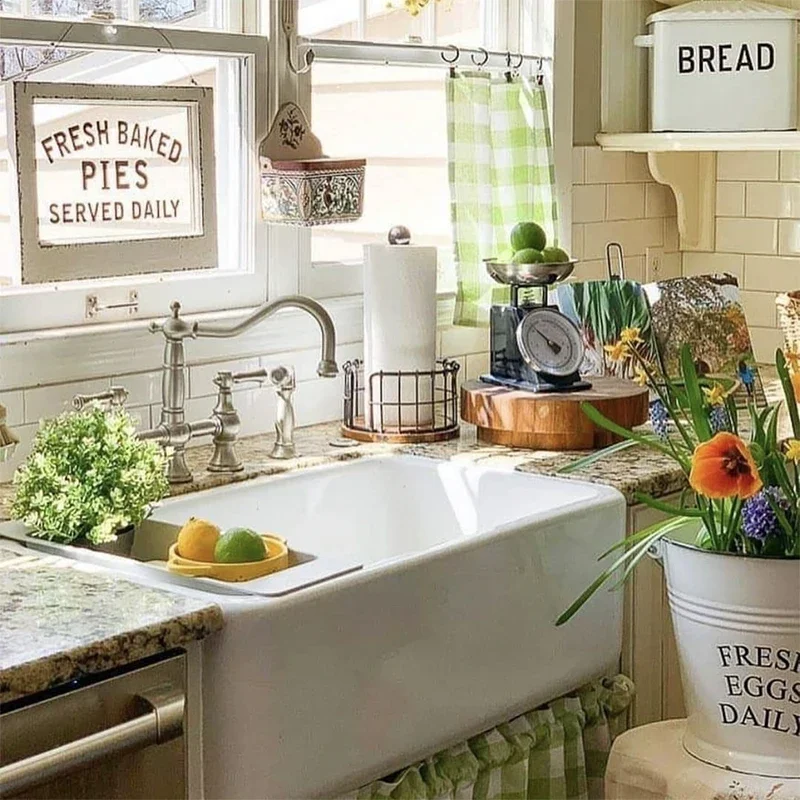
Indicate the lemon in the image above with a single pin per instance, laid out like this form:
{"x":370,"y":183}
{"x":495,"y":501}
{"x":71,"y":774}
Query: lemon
{"x":554,"y":255}
{"x":197,"y":540}
{"x":238,"y":545}
{"x":527,"y":256}
{"x":526,"y":235}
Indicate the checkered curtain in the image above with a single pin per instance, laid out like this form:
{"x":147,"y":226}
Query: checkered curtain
{"x":557,"y":752}
{"x":500,"y":166}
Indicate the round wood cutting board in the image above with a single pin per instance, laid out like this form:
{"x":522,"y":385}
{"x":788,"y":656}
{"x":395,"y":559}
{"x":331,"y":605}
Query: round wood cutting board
{"x":552,"y":420}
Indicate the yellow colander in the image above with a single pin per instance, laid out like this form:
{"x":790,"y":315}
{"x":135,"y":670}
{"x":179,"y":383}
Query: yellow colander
{"x":276,"y":560}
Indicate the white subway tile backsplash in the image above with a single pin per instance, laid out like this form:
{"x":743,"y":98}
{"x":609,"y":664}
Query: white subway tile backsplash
{"x":476,"y":365}
{"x":771,"y":273}
{"x":143,"y":388}
{"x":589,"y":203}
{"x":745,"y":235}
{"x":462,"y":340}
{"x":711,"y":263}
{"x":577,"y":165}
{"x":759,"y":309}
{"x":659,"y":201}
{"x":635,"y":236}
{"x":577,"y":242}
{"x":730,"y":199}
{"x":25,"y":434}
{"x":603,"y":166}
{"x":591,"y":270}
{"x":773,"y":200}
{"x":13,"y":402}
{"x":790,"y":165}
{"x":789,"y":237}
{"x":671,"y":235}
{"x":48,"y":401}
{"x":636,"y":169}
{"x":744,"y":165}
{"x":625,"y":201}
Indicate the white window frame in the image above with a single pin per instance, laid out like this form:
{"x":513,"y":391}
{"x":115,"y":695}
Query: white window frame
{"x":516,"y":25}
{"x":49,"y":306}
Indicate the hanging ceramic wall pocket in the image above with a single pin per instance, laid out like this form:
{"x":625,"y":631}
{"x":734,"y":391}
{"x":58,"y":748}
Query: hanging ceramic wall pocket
{"x":300,"y":185}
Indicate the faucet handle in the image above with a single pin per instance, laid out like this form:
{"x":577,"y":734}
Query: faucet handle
{"x":173,"y":327}
{"x":115,"y":396}
{"x":253,"y":376}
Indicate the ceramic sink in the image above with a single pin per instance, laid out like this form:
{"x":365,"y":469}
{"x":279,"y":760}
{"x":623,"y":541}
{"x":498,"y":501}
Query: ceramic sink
{"x":425,"y":616}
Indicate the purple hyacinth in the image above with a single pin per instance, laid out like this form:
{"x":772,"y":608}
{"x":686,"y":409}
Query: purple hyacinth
{"x":758,"y":518}
{"x":659,"y":419}
{"x":719,"y":419}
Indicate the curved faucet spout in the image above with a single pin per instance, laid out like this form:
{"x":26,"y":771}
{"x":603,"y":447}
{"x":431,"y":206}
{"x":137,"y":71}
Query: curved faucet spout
{"x":327,"y":366}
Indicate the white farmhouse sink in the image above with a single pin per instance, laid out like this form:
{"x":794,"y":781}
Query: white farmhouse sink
{"x":446,"y":630}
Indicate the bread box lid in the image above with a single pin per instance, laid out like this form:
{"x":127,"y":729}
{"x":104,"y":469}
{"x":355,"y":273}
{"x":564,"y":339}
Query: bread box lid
{"x":745,"y":10}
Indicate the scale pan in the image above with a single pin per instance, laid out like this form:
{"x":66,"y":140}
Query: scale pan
{"x":529,"y":274}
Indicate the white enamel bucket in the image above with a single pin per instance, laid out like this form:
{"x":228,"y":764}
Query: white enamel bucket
{"x":737,"y":627}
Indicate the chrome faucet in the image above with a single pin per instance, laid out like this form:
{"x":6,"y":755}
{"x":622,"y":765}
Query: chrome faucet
{"x":174,"y":432}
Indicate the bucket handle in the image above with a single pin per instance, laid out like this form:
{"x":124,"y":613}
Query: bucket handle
{"x":656,"y":551}
{"x":644,"y":40}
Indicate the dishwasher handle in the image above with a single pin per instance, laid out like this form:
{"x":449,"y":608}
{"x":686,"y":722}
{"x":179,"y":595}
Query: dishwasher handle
{"x":161,"y":723}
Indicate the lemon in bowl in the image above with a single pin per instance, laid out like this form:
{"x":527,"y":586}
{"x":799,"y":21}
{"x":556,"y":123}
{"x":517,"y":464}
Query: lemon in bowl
{"x":197,"y":540}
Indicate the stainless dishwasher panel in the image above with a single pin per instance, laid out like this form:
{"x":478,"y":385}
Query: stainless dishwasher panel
{"x":122,"y":737}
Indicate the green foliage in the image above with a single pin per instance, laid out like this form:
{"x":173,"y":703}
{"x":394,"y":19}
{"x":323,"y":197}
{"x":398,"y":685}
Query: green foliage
{"x":606,"y":307}
{"x":721,"y":527}
{"x":87,"y":477}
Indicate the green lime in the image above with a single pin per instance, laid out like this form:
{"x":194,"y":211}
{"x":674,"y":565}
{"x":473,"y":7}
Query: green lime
{"x":238,"y":545}
{"x":554,"y":255}
{"x":505,"y":255}
{"x":526,"y":235}
{"x":527,"y":256}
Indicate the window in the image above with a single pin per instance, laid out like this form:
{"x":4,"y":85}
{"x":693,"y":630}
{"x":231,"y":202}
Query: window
{"x":395,"y":117}
{"x":234,"y":67}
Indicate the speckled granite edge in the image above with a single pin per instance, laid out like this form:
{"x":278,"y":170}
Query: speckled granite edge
{"x":103,"y":622}
{"x":117,"y":651}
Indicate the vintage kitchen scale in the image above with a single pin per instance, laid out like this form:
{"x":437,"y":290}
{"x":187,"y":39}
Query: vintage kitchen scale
{"x":532,"y":394}
{"x":534,"y":347}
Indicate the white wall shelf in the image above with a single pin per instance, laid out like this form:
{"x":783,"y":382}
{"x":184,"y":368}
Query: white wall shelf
{"x":687,"y":163}
{"x":699,"y":142}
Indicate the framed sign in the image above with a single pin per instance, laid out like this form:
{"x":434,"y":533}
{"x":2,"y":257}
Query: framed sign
{"x":113,"y":180}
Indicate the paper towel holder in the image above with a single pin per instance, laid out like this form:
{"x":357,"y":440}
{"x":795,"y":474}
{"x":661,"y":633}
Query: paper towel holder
{"x":410,"y":415}
{"x":399,"y":234}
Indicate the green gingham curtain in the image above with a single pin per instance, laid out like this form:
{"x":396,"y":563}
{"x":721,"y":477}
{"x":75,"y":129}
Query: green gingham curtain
{"x":558,"y":752}
{"x":500,"y":167}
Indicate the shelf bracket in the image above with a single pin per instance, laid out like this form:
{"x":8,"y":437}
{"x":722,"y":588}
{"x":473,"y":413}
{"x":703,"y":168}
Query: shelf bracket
{"x":692,"y":176}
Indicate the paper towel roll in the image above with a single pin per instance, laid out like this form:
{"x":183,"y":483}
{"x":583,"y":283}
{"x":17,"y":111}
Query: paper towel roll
{"x":399,"y":329}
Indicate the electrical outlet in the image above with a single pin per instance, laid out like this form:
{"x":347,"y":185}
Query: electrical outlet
{"x":654,"y":264}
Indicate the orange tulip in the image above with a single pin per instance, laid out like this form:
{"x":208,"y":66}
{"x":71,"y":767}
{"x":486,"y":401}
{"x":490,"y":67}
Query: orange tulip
{"x":724,"y":467}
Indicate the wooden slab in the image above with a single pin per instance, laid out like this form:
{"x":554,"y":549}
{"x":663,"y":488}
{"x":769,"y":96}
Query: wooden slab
{"x":551,"y":421}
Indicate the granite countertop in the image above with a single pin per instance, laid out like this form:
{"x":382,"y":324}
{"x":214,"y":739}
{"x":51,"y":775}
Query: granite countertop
{"x":62,"y":620}
{"x":635,"y":470}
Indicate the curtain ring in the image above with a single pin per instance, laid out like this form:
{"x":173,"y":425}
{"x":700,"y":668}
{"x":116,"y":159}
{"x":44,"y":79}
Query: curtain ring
{"x":485,"y":57}
{"x":308,"y":58}
{"x":520,"y":62}
{"x":455,"y":57}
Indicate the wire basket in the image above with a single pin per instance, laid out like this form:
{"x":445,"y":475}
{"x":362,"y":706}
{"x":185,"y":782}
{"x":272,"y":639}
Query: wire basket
{"x":789,"y":318}
{"x":403,"y":406}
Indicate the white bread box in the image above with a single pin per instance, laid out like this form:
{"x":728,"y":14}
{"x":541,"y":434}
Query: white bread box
{"x":722,"y":65}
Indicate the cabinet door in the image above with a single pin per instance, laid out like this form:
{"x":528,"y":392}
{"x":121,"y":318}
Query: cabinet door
{"x":649,"y":656}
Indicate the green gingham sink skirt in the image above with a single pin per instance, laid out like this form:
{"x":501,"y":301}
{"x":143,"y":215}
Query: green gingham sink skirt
{"x":557,"y":752}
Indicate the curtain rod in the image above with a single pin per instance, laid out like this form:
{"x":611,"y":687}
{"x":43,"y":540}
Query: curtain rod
{"x":425,"y":55}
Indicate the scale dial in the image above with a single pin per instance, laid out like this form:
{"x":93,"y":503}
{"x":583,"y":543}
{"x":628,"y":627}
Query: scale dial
{"x":550,"y":342}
